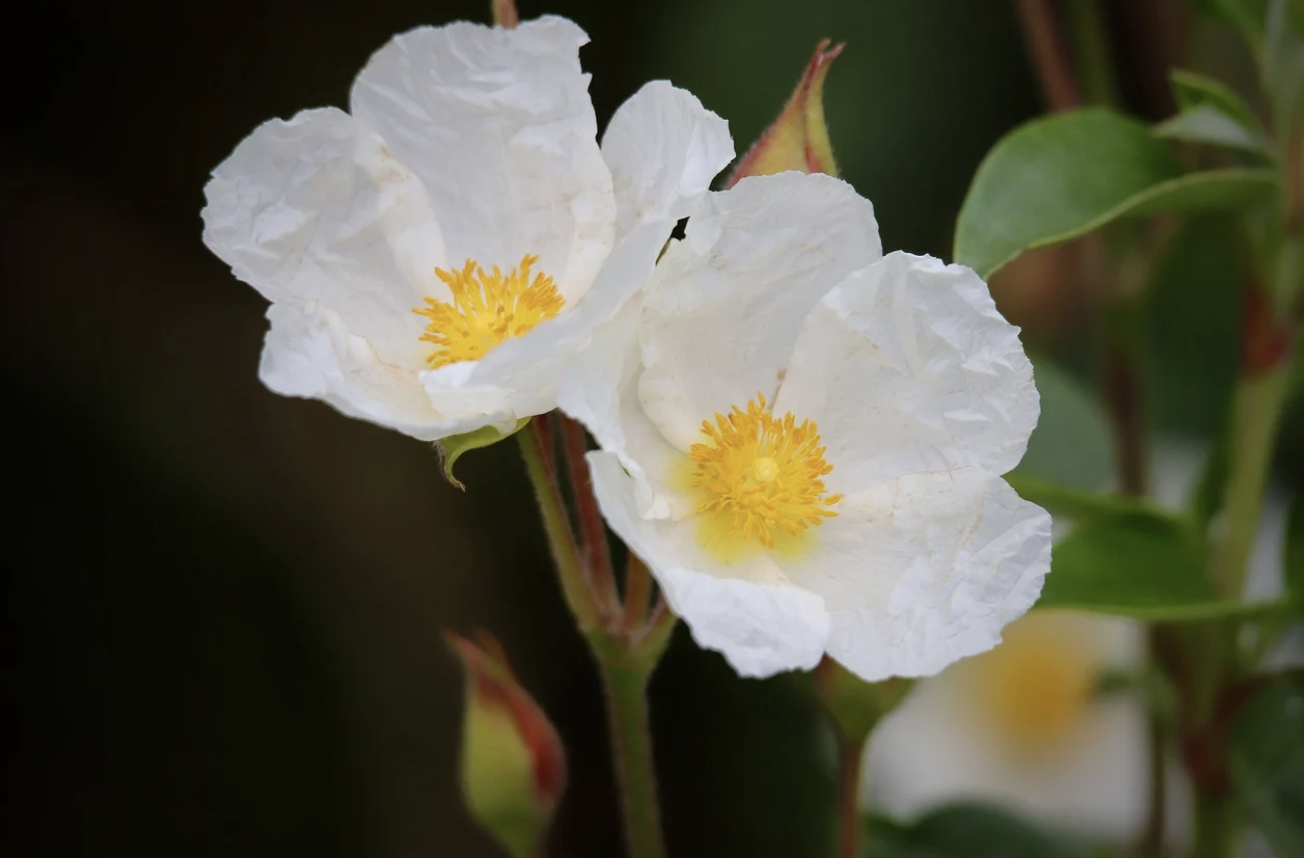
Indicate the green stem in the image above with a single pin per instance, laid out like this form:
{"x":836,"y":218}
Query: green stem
{"x":625,"y":685}
{"x":1214,"y":826}
{"x":1092,"y":50}
{"x":536,"y":449}
{"x":1256,"y":413}
{"x":851,"y":754}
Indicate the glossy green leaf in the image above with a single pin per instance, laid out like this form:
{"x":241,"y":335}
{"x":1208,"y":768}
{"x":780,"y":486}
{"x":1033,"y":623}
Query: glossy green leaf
{"x":1266,"y":764}
{"x":452,"y":448}
{"x":1147,"y":566}
{"x":965,"y":831}
{"x":1207,"y":124}
{"x":1071,"y":445}
{"x":1062,"y":176}
{"x":1195,"y":90}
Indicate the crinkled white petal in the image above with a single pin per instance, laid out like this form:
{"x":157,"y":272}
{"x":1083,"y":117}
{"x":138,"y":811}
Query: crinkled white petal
{"x":686,"y":146}
{"x":309,"y":352}
{"x":663,"y":149}
{"x":726,"y":303}
{"x":746,"y":610}
{"x":924,"y":570}
{"x":499,"y":126}
{"x":316,"y":210}
{"x":598,"y":390}
{"x":908,"y":367}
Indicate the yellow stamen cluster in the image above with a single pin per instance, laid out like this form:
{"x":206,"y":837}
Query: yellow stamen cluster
{"x":761,"y":474}
{"x":487,"y":308}
{"x":1037,"y":685}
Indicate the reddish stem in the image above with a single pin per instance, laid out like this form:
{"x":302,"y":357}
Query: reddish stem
{"x":593,"y":532}
{"x":1050,"y":59}
{"x":851,"y":755}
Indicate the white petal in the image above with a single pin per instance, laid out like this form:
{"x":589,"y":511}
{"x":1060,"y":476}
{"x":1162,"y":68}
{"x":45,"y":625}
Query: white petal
{"x":925,"y":570}
{"x":761,"y":623}
{"x":317,"y":210}
{"x":932,"y":750}
{"x":309,"y":352}
{"x":598,"y":387}
{"x":908,"y":367}
{"x":726,"y":304}
{"x":663,"y":148}
{"x":499,"y":126}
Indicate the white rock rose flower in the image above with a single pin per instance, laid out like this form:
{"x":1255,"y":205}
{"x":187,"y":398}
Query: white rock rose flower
{"x":1023,"y":726}
{"x":804,"y":439}
{"x":435,"y":256}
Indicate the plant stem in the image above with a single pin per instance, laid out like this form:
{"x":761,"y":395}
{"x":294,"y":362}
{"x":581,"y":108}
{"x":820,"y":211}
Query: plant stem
{"x":1213,"y":826}
{"x":596,"y":553}
{"x":1050,"y":59}
{"x":851,"y":755}
{"x":638,"y":591}
{"x":540,"y":465}
{"x":1091,"y":44}
{"x":626,"y":651}
{"x":625,"y":685}
{"x":1256,"y":411}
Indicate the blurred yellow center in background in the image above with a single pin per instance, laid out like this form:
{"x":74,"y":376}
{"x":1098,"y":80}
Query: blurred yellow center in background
{"x":487,"y":308}
{"x":759,"y":477}
{"x":1037,"y":685}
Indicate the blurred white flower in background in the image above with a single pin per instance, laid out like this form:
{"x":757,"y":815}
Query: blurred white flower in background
{"x":1021,"y":726}
{"x":804,"y":440}
{"x":435,"y":256}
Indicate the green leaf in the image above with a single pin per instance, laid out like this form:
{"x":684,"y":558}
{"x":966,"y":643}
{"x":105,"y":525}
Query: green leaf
{"x":1207,"y":496}
{"x":1265,"y":762}
{"x":1071,"y":445}
{"x":1283,"y":63}
{"x":1245,"y":15}
{"x":451,"y":448}
{"x":1195,"y":90}
{"x":965,"y":831}
{"x":1062,"y":176}
{"x":1294,"y":551}
{"x":1147,"y":566}
{"x":1208,"y":124}
{"x":1077,"y":504}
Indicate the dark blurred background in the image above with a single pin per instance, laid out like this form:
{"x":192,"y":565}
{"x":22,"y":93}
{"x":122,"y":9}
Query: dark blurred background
{"x":227,"y":604}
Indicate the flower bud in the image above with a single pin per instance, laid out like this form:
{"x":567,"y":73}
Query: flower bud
{"x":513,"y":763}
{"x":798,"y":139}
{"x":505,"y":14}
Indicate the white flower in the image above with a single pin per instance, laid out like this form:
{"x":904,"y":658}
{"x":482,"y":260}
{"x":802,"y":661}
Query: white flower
{"x":435,"y":256}
{"x":1021,"y":726}
{"x":851,"y":501}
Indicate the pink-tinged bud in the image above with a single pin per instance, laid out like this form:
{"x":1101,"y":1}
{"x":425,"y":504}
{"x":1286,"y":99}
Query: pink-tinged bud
{"x":505,"y":14}
{"x":798,"y":139}
{"x":513,"y":763}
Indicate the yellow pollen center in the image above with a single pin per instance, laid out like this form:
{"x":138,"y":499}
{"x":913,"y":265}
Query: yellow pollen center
{"x":759,"y":476}
{"x":1037,"y":685}
{"x":487,"y":308}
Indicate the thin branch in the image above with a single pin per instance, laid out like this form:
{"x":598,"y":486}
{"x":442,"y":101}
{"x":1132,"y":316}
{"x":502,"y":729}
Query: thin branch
{"x":1050,"y":58}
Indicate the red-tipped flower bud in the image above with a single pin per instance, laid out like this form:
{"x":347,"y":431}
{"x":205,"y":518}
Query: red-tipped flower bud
{"x":513,"y":763}
{"x":798,"y":139}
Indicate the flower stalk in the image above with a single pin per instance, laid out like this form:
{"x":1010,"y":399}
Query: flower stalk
{"x":626,"y":640}
{"x":624,"y":685}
